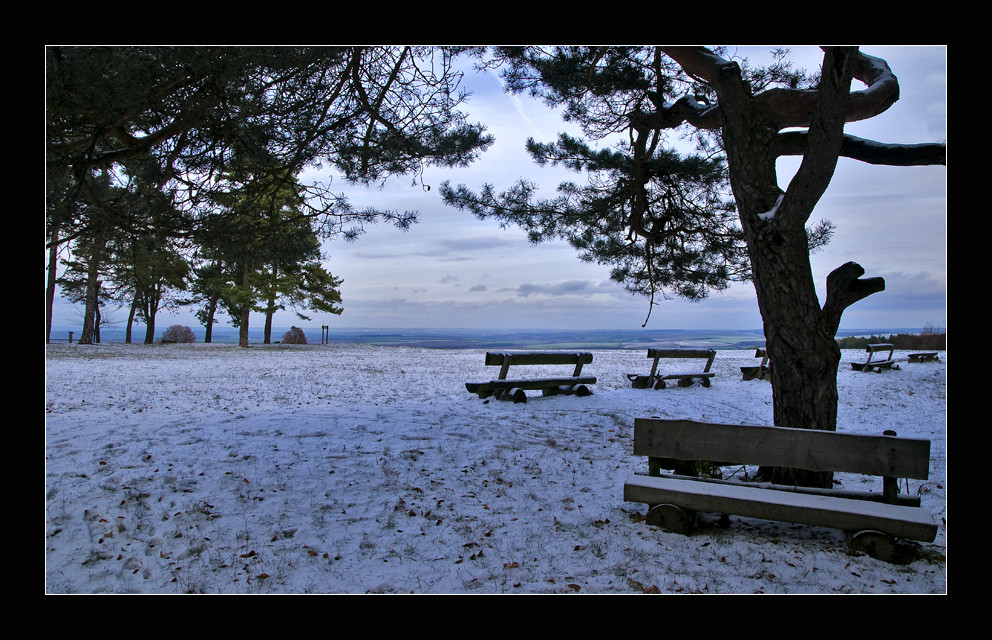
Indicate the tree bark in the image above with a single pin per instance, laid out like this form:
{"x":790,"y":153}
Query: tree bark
{"x":800,"y":335}
{"x":150,"y":329}
{"x":89,"y":312}
{"x":130,"y":321}
{"x":208,"y":325}
{"x":243,"y":328}
{"x":245,"y":309}
{"x":53,"y":257}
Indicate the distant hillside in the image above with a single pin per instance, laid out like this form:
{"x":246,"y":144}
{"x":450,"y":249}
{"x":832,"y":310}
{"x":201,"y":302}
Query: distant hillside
{"x":931,"y":341}
{"x":536,"y":339}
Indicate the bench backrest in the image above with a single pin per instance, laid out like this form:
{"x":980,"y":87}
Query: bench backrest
{"x":507,"y":358}
{"x":810,"y":449}
{"x":708,"y":354}
{"x":872,"y":349}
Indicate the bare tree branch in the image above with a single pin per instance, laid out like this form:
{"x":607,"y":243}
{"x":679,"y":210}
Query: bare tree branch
{"x":793,"y":143}
{"x":844,"y":288}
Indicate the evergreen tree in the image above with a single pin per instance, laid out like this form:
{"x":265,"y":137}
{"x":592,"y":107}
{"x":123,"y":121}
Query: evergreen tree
{"x":189,"y":113}
{"x":267,"y":246}
{"x":669,"y":214}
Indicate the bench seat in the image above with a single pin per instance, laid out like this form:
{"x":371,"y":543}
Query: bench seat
{"x":873,"y":365}
{"x":528,"y":383}
{"x":761,"y":371}
{"x":657,"y":380}
{"x":869,"y":366}
{"x":873,"y":520}
{"x":513,"y":388}
{"x":915,"y":523}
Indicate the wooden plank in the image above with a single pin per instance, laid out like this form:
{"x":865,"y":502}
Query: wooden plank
{"x":537,"y":357}
{"x":679,"y":353}
{"x":872,"y":348}
{"x":479,"y":387}
{"x":707,"y":354}
{"x":541,"y":383}
{"x":643,"y":382}
{"x":903,"y":499}
{"x":816,"y":510}
{"x":809,"y":449}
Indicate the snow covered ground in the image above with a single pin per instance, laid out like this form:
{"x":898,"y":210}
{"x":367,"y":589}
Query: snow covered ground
{"x":363,"y":469}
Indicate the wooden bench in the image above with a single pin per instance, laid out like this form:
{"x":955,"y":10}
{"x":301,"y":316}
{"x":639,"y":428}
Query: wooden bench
{"x":762,"y":371}
{"x":929,"y":356}
{"x":872,"y":520}
{"x":656,"y":380}
{"x":513,"y":389}
{"x":876,"y":365}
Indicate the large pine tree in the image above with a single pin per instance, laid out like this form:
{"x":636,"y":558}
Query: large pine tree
{"x":689,"y":223}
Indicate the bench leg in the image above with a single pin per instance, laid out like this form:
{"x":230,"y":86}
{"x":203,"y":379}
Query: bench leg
{"x":672,"y":518}
{"x":640,"y":382}
{"x":878,"y":545}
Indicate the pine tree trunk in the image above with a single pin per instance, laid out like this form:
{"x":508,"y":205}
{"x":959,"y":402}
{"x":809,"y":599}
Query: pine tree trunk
{"x":270,"y":307}
{"x":243,"y":328}
{"x":267,"y":339}
{"x":53,"y":257}
{"x":89,"y":313}
{"x":799,"y":341}
{"x":801,"y":348}
{"x":150,"y":329}
{"x":245,"y":309}
{"x":208,"y":326}
{"x":130,"y":321}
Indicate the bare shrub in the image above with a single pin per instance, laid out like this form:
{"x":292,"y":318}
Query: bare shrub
{"x":295,"y":335}
{"x":178,"y":333}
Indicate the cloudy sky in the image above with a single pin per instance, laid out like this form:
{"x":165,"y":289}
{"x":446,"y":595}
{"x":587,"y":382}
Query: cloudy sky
{"x":453,"y":271}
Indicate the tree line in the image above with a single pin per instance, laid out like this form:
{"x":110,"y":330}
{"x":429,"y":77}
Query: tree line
{"x":901,"y":341}
{"x":173,"y":173}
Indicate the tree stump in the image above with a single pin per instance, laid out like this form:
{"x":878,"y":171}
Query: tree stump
{"x":878,"y":545}
{"x":671,"y":518}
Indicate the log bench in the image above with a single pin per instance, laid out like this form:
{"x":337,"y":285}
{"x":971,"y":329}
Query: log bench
{"x":873,"y":364}
{"x":762,"y":371}
{"x":513,"y":389}
{"x":872,"y":521}
{"x":929,"y":356}
{"x":657,"y":380}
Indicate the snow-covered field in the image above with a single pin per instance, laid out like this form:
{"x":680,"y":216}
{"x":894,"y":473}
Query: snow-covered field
{"x":362,"y":469}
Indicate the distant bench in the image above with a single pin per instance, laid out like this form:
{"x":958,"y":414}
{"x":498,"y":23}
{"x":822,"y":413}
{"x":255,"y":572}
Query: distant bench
{"x":656,"y":380}
{"x":876,"y":365}
{"x":762,"y":371}
{"x":871,"y":520}
{"x":513,"y":389}
{"x":930,"y":356}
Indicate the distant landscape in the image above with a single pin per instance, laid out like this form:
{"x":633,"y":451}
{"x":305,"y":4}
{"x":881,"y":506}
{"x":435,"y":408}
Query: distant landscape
{"x":508,"y":339}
